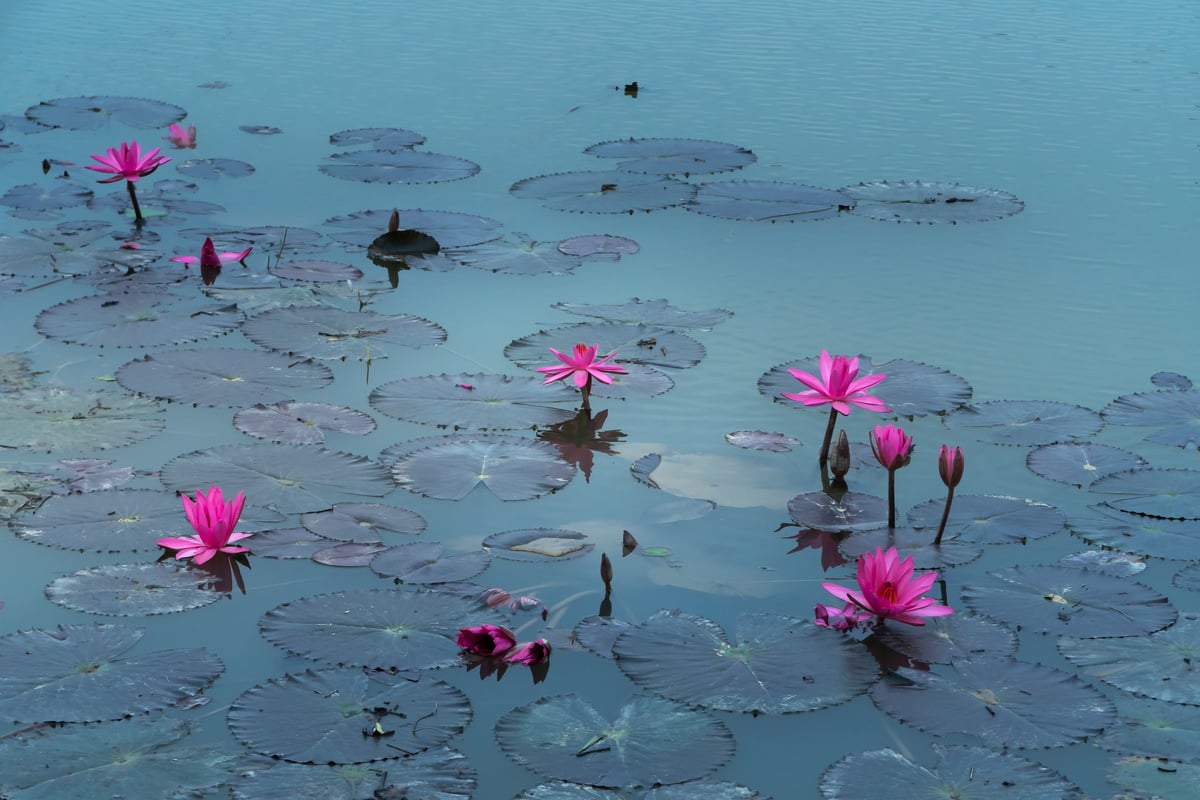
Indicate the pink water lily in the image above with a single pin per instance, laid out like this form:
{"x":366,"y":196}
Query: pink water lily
{"x":893,"y":449}
{"x":214,"y":521}
{"x":129,"y":164}
{"x":888,"y":589}
{"x":582,"y":366}
{"x":486,"y":640}
{"x":209,"y":257}
{"x":846,"y":618}
{"x":182,"y":139}
{"x":529,"y":653}
{"x":840,"y":387}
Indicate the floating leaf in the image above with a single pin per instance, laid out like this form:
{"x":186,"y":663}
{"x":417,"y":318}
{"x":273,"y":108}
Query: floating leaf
{"x":327,"y":717}
{"x":436,"y":774}
{"x":289,"y":478}
{"x":673,"y":156}
{"x":1026,"y":422}
{"x":1154,"y":778}
{"x":655,"y":313}
{"x":349,"y":554}
{"x":74,"y":673}
{"x":383,"y":629}
{"x":1108,"y":562}
{"x":776,"y":665}
{"x":706,"y":788}
{"x":634,"y":344}
{"x":519,"y":255}
{"x":1176,"y":412}
{"x":643,"y":466}
{"x":599,"y":634}
{"x":260,"y":130}
{"x":211,"y":169}
{"x":1001,"y":701}
{"x":94,"y":113}
{"x":288,"y":543}
{"x":538,"y":544}
{"x":1154,"y":728}
{"x":1160,"y":665}
{"x":1078,"y":464}
{"x":931,"y":202}
{"x":301,"y":423}
{"x":1070,"y":601}
{"x":331,"y":333}
{"x":450,"y":228}
{"x":911,"y":389}
{"x":422,"y":562}
{"x":474,"y":401}
{"x":1161,"y":538}
{"x":768,"y":201}
{"x":1171,"y":380}
{"x":398,"y":166}
{"x":221,"y":377}
{"x":362,"y":522}
{"x":31,"y":201}
{"x":988,"y":519}
{"x":853,"y":511}
{"x":1160,"y":493}
{"x":317,"y":271}
{"x":597,"y":244}
{"x":942,"y":640}
{"x":604,"y":192}
{"x":652,"y":742}
{"x":56,"y":418}
{"x":380,"y":138}
{"x":761,"y":440}
{"x":513,"y":468}
{"x":129,"y":590}
{"x":974,"y":772}
{"x":134,"y":319}
{"x":950,"y":552}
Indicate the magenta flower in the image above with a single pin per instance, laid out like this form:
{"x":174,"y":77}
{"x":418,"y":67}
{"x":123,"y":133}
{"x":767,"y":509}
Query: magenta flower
{"x":486,"y":640}
{"x":529,"y":653}
{"x":888,"y":589}
{"x":891,"y":446}
{"x":582,"y":366}
{"x":840,"y":387}
{"x":210,"y":258}
{"x":841,"y":619}
{"x":129,"y":164}
{"x":214,"y":521}
{"x":182,"y":139}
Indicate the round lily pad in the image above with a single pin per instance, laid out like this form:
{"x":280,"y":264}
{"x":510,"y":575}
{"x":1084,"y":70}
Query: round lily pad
{"x":295,"y":542}
{"x":604,"y":192}
{"x":513,"y":468}
{"x":1171,"y":380}
{"x":448,"y":228}
{"x":768,"y":201}
{"x":123,"y":520}
{"x":634,"y":344}
{"x":673,"y":156}
{"x":317,"y":271}
{"x":988,"y":519}
{"x":129,"y":590}
{"x":1154,"y":778}
{"x":1150,"y":536}
{"x":598,"y":244}
{"x":422,"y":562}
{"x":221,"y":377}
{"x":301,"y":423}
{"x":519,"y":254}
{"x":942,"y":640}
{"x":853,"y":511}
{"x":1078,"y":464}
{"x":362,"y":522}
{"x":57,"y":418}
{"x":379,"y":138}
{"x":911,"y":389}
{"x":31,"y":201}
{"x":435,"y":774}
{"x":1154,"y":728}
{"x":94,"y":113}
{"x":260,"y":130}
{"x":331,"y":333}
{"x":214,"y":168}
{"x":477,"y":401}
{"x":538,"y":544}
{"x":1176,"y":414}
{"x":931,"y":202}
{"x":1026,"y":422}
{"x":950,"y":552}
{"x":133,"y":319}
{"x":349,"y":554}
{"x":655,"y":313}
{"x":1159,"y":493}
{"x":398,"y":166}
{"x":1160,"y":665}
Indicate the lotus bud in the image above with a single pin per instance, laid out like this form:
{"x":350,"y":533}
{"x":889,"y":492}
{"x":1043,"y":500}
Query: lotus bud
{"x":606,"y":572}
{"x":839,"y":460}
{"x":394,"y":221}
{"x":950,"y":465}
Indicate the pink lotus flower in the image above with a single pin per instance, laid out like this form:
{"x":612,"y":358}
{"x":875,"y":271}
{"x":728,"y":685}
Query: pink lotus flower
{"x":891,"y":446}
{"x":486,"y":640}
{"x":950,"y":465}
{"x":529,"y":653}
{"x":182,"y":139}
{"x":582,"y":366}
{"x":214,"y":521}
{"x":128,"y":163}
{"x":839,"y":385}
{"x":841,"y":619}
{"x":210,"y":258}
{"x":888,"y":589}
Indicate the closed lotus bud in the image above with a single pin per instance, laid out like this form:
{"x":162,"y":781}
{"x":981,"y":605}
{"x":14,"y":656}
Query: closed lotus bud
{"x":394,"y":221}
{"x":839,"y":459}
{"x":950,"y":465}
{"x":606,"y":573}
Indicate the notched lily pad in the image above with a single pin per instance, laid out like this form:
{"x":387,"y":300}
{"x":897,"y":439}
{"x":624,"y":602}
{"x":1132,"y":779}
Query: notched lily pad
{"x":132,"y":590}
{"x":656,"y":313}
{"x":1150,"y":536}
{"x":538,"y":544}
{"x":398,"y":166}
{"x":635,"y":344}
{"x":520,"y":254}
{"x":211,"y":169}
{"x":911,"y":388}
{"x":423,"y":562}
{"x":513,"y":468}
{"x":1078,"y":464}
{"x":448,"y":228}
{"x":31,"y":201}
{"x":768,"y":201}
{"x":1161,"y":665}
{"x":990,"y":519}
{"x":119,"y":521}
{"x":1153,"y":492}
{"x":379,"y":138}
{"x":222,"y":377}
{"x":363,"y":522}
{"x":290,"y":422}
{"x":1026,"y":422}
{"x":854,"y":511}
{"x":478,"y":401}
{"x":317,"y":271}
{"x":673,"y":156}
{"x":56,"y":418}
{"x":331,"y":333}
{"x":761,"y":440}
{"x":1176,"y":413}
{"x":942,"y":640}
{"x":133,"y":319}
{"x":604,"y":192}
{"x":93,"y":113}
{"x":931,"y":202}
{"x":598,"y":244}
{"x":950,"y":552}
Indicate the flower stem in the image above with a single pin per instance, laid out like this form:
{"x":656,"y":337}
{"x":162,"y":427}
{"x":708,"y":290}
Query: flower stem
{"x":945,"y":516}
{"x":138,"y":219}
{"x":824,"y":458}
{"x":586,"y":391}
{"x":891,"y":498}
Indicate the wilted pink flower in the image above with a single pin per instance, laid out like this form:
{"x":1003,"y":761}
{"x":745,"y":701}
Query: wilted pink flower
{"x":209,"y":257}
{"x":529,"y":653}
{"x":128,"y":163}
{"x":950,"y":465}
{"x":888,"y":589}
{"x":839,"y":385}
{"x":214,"y":521}
{"x":486,"y":640}
{"x":582,"y":365}
{"x":180,"y":138}
{"x":841,"y":619}
{"x":891,"y":446}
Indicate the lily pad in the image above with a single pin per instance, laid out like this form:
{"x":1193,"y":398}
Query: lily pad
{"x":1154,"y":728}
{"x":1154,"y":778}
{"x":520,"y":254}
{"x":1161,"y":665}
{"x":436,"y":774}
{"x":260,"y":130}
{"x":655,"y":313}
{"x":328,"y":716}
{"x":643,"y":466}
{"x":1177,"y":413}
{"x":761,"y":440}
{"x":1003,"y":702}
{"x":1078,"y":464}
{"x":119,"y":521}
{"x":317,"y":271}
{"x":853,"y":511}
{"x":1159,"y":493}
{"x":673,"y":156}
{"x":651,"y":742}
{"x":221,"y":377}
{"x":94,"y":113}
{"x":301,"y":423}
{"x":911,"y":389}
{"x":989,"y":519}
{"x":398,"y":166}
{"x":776,"y":664}
{"x":130,"y":590}
{"x":1070,"y":601}
{"x":769,"y":201}
{"x":211,"y":169}
{"x":422,"y":562}
{"x":75,"y":673}
{"x":56,"y":418}
{"x":968,"y":772}
{"x":1149,"y":536}
{"x":604,"y":192}
{"x":942,"y":640}
{"x":31,"y":201}
{"x":349,"y":554}
{"x":538,"y":544}
{"x":295,"y":542}
{"x":1026,"y":422}
{"x":950,"y":552}
{"x":1171,"y":380}
{"x":599,"y":634}
{"x":1108,"y":562}
{"x":290,"y":478}
{"x":383,"y":629}
{"x":133,"y":319}
{"x":931,"y":202}
{"x":598,"y":244}
{"x":513,"y":468}
{"x":478,"y":401}
{"x":635,"y":344}
{"x":331,"y":333}
{"x":363,"y":522}
{"x":449,"y":228}
{"x":379,"y":138}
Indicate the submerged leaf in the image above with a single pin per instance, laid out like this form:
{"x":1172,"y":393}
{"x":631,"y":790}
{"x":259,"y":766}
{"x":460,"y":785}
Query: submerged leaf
{"x":214,"y":168}
{"x":761,"y":440}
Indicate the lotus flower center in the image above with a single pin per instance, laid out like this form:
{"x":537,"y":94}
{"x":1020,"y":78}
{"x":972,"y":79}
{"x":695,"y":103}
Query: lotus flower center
{"x":887,"y":592}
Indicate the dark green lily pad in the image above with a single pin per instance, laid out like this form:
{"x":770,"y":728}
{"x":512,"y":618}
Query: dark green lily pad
{"x":383,"y":629}
{"x":290,"y":478}
{"x":1070,"y":601}
{"x":538,"y":544}
{"x":651,"y":742}
{"x":319,"y":717}
{"x":963,"y":772}
{"x":349,"y":554}
{"x":131,"y":758}
{"x":450,"y":228}
{"x":1159,"y":493}
{"x":260,"y":130}
{"x":133,"y":319}
{"x":1161,"y":665}
{"x":1078,"y":464}
{"x":478,"y":401}
{"x":94,"y":113}
{"x":654,"y":313}
{"x":942,"y":640}
{"x":706,"y":788}
{"x":436,"y":774}
{"x":988,"y":519}
{"x":301,"y":423}
{"x":57,"y":418}
{"x":1003,"y":702}
{"x":31,"y":201}
{"x":211,"y":169}
{"x":604,"y":192}
{"x":776,"y":664}
{"x":950,"y":552}
{"x":331,"y":333}
{"x":520,"y":254}
{"x":1176,"y":412}
{"x":599,"y":634}
{"x":222,"y":377}
{"x":317,"y":271}
{"x":1026,"y":422}
{"x":1148,"y":536}
{"x":273,"y":239}
{"x":768,"y":201}
{"x":911,"y":389}
{"x":1154,"y":728}
{"x":1188,"y":578}
{"x":379,"y":138}
{"x":761,"y":440}
{"x":931,"y":202}
{"x":513,"y":468}
{"x":120,"y":521}
{"x":673,"y":156}
{"x":133,"y":590}
{"x":635,"y":344}
{"x":295,"y":542}
{"x":854,"y":511}
{"x":398,"y":166}
{"x":75,"y":673}
{"x":363,"y":522}
{"x":422,"y":562}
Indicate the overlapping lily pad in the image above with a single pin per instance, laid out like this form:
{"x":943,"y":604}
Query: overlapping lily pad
{"x":382,"y":629}
{"x":1161,"y":665}
{"x":1150,"y":536}
{"x":1176,"y":413}
{"x":1003,"y":702}
{"x":911,"y":389}
{"x":93,"y":113}
{"x":776,"y":664}
{"x":635,"y":344}
{"x":398,"y":166}
{"x":329,"y":716}
{"x":363,"y":522}
{"x":423,"y":562}
{"x":538,"y":544}
{"x":655,"y":313}
{"x":513,"y":468}
{"x":436,"y":774}
{"x":477,"y":401}
{"x":520,"y":254}
{"x":297,"y":542}
{"x":989,"y":519}
{"x":31,"y":201}
{"x":1080,"y":463}
{"x":604,"y":192}
{"x":76,"y":673}
{"x":56,"y":418}
{"x":131,"y":590}
{"x":853,"y":511}
{"x":931,"y":202}
{"x":133,"y":319}
{"x":331,"y":333}
{"x":706,"y":788}
{"x":1159,"y":493}
{"x":222,"y":377}
{"x":950,"y":552}
{"x":1026,"y":422}
{"x":673,"y":156}
{"x":301,"y":423}
{"x":651,"y":742}
{"x":942,"y":640}
{"x":1154,"y":728}
{"x":768,"y":201}
{"x":317,"y":271}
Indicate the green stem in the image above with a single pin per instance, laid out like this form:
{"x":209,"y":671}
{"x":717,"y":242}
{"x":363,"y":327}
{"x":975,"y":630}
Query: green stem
{"x":824,"y":458}
{"x":945,"y":516}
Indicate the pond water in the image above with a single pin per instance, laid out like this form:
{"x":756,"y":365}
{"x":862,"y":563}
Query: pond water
{"x":1083,"y":120}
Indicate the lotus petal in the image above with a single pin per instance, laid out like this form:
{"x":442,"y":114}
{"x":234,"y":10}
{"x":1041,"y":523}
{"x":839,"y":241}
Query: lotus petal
{"x":635,"y":344}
